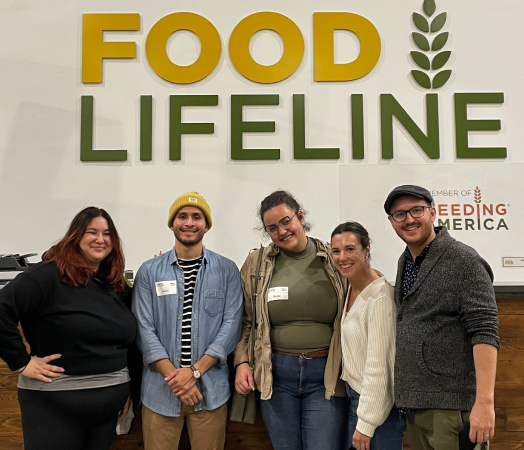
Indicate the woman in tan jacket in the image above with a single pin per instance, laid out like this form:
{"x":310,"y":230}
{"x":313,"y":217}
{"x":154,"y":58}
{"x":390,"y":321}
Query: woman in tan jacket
{"x":298,"y":357}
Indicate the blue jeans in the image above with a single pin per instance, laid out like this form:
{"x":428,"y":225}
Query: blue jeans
{"x":298,"y":416}
{"x":388,"y":436}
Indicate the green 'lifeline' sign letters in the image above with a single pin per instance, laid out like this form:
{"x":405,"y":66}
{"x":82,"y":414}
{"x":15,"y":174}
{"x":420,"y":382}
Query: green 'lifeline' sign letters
{"x":390,"y":108}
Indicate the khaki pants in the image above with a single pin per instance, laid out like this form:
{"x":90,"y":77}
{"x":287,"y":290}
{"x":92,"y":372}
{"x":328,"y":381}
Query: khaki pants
{"x":207,"y":429}
{"x":437,"y":429}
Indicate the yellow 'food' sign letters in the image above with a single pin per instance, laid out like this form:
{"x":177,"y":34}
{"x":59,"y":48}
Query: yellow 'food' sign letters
{"x":95,"y":49}
{"x":324,"y":25}
{"x":209,"y":54}
{"x":285,"y":28}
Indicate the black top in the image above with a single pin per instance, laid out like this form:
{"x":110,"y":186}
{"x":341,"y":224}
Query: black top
{"x":91,"y":325}
{"x":412,"y":268}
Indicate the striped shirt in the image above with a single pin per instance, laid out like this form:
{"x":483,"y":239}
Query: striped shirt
{"x":190,"y":268}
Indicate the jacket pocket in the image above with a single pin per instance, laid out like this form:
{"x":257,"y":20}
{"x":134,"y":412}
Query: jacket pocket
{"x":435,"y":355}
{"x":213,"y":301}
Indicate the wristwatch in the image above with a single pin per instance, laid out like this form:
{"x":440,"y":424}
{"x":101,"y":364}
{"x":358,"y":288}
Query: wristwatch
{"x":196,"y":372}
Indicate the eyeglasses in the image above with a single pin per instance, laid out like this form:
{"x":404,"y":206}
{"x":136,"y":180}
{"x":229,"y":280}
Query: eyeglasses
{"x":416,"y":212}
{"x":282,"y":223}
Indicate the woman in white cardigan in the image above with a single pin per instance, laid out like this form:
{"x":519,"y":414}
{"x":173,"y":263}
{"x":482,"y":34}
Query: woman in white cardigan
{"x":368,"y":343}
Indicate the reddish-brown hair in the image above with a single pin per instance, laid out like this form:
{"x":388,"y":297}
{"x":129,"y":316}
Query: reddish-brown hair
{"x":72,"y":265}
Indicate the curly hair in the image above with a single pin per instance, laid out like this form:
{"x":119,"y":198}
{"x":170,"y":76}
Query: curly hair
{"x":277,"y":198}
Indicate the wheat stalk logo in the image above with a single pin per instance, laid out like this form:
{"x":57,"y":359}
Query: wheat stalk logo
{"x":478,"y":196}
{"x":426,"y":59}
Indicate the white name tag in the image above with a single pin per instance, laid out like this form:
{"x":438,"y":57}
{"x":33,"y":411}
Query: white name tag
{"x":165,"y":287}
{"x":277,"y":293}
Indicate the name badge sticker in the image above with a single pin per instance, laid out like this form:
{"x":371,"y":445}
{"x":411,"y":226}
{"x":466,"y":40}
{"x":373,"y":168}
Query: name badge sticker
{"x":278,"y":293}
{"x":165,"y":288}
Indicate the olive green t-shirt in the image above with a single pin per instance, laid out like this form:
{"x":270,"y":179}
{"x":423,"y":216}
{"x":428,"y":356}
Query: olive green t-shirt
{"x":304,"y":321}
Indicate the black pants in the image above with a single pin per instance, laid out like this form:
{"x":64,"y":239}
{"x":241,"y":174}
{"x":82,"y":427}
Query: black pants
{"x":73,"y":420}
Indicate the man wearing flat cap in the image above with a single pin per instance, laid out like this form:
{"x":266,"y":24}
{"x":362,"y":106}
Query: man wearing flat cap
{"x":188,"y":304}
{"x":447,"y":330}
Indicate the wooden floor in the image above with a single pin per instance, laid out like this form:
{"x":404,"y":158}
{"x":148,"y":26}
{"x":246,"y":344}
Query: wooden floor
{"x":509,"y":399}
{"x":239,"y":437}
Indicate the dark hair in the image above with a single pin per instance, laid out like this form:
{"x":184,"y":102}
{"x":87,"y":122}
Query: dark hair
{"x":72,"y":264}
{"x":281,"y":198}
{"x":358,"y":230}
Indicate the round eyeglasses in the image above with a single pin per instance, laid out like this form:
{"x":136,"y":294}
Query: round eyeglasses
{"x":282,"y":223}
{"x":416,"y":212}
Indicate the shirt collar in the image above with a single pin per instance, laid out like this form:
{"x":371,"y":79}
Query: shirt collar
{"x":420,"y":258}
{"x":172,"y":258}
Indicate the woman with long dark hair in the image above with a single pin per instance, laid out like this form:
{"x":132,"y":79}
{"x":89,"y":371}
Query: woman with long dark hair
{"x":73,"y":308}
{"x":297,"y":350}
{"x":368,"y":343}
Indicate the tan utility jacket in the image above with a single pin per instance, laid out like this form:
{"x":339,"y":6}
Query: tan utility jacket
{"x":262,"y":370}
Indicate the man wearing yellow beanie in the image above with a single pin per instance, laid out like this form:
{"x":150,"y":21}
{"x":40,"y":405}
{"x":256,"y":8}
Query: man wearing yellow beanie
{"x":188,"y":304}
{"x":191,"y":198}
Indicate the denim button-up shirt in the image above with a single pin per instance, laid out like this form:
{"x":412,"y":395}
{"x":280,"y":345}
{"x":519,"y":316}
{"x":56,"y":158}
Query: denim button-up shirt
{"x":215,"y":326}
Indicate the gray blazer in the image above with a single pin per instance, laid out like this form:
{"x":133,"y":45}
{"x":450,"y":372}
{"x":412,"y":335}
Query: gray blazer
{"x":450,"y":308}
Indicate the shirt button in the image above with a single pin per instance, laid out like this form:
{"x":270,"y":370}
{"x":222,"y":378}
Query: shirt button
{"x":180,"y":297}
{"x":178,"y":359}
{"x":178,"y":318}
{"x":180,"y":278}
{"x":177,"y":339}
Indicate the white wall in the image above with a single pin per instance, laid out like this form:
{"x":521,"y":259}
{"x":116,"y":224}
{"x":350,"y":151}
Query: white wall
{"x":43,"y":183}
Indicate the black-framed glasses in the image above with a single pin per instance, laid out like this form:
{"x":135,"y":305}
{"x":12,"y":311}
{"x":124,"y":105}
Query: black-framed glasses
{"x":282,"y":223}
{"x":416,"y":212}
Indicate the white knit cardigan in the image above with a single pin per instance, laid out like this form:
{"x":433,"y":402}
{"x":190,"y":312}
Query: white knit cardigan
{"x":368,"y":353}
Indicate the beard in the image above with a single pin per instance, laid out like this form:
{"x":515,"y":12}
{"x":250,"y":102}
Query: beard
{"x":193,"y":239}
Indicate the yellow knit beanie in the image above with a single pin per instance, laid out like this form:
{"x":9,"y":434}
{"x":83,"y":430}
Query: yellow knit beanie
{"x":191,"y":198}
